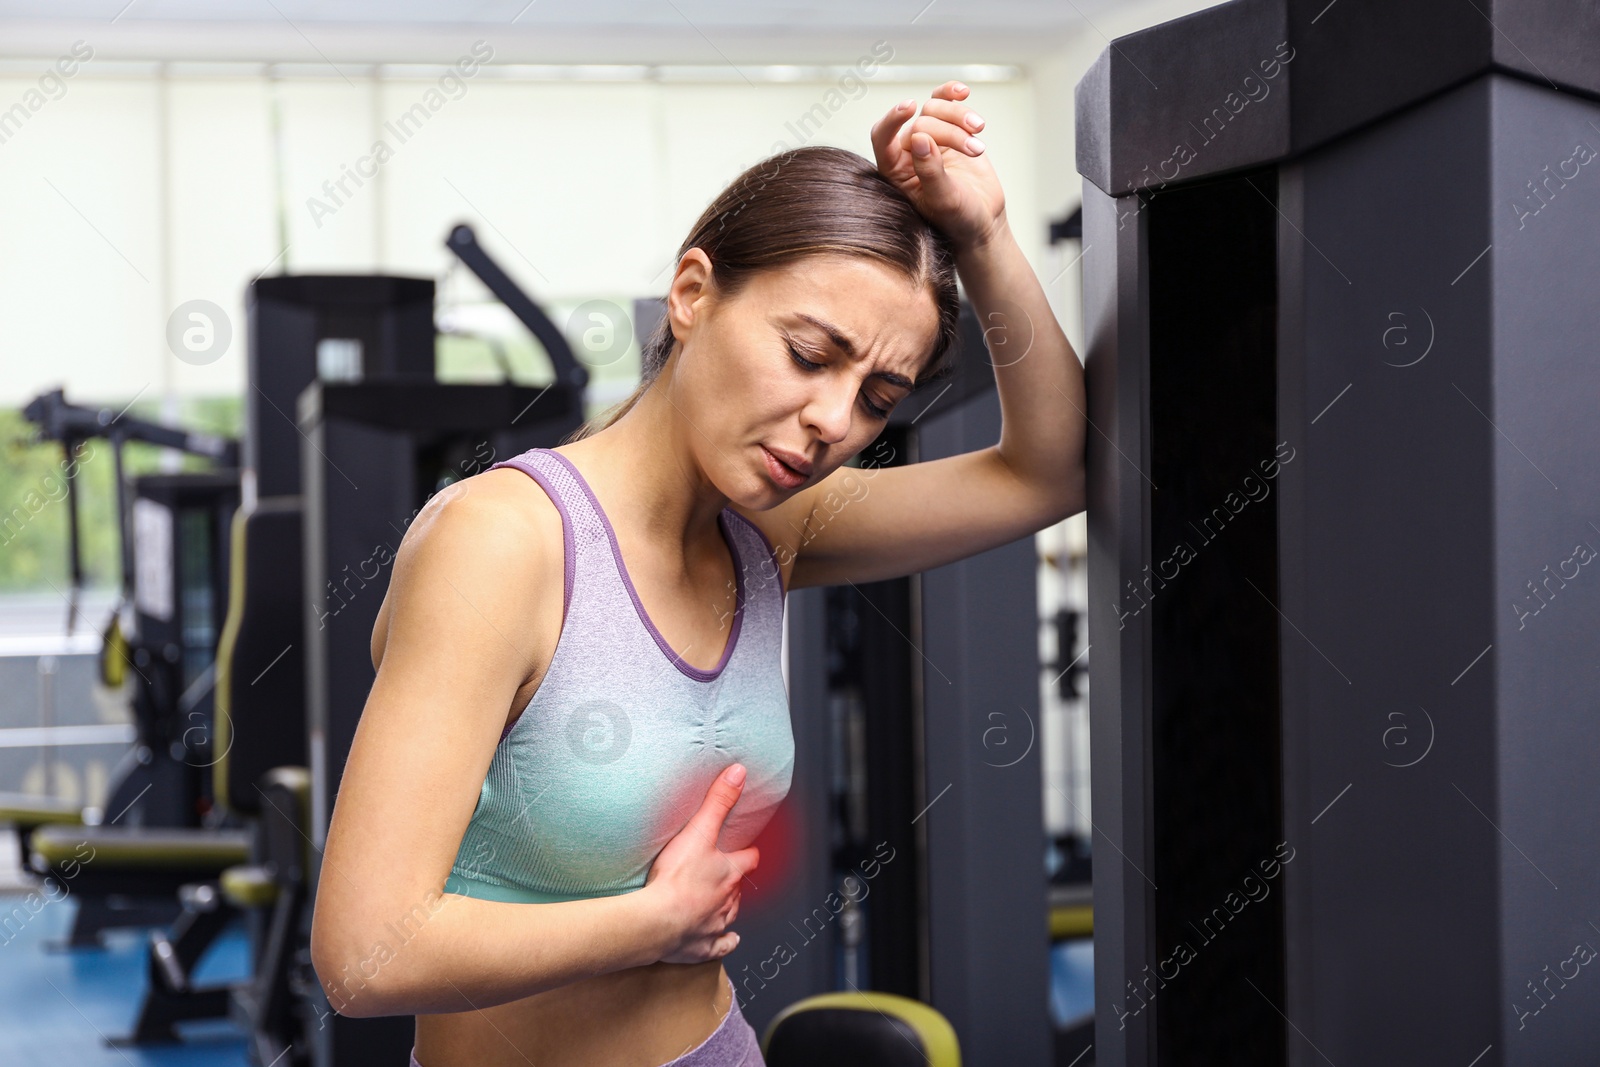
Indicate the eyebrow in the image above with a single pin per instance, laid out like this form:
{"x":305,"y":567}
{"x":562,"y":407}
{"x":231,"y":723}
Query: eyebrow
{"x":844,"y":345}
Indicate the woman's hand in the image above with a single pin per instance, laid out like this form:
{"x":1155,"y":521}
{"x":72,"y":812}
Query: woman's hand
{"x":697,"y":884}
{"x":952,"y":184}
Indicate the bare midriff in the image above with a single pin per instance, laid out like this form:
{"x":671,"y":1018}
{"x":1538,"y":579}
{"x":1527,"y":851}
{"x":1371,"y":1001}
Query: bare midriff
{"x":638,"y":1017}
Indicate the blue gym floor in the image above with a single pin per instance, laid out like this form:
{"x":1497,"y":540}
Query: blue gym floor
{"x":56,"y":1005}
{"x":1071,"y":980}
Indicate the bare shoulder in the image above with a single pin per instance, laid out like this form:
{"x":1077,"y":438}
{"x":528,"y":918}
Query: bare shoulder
{"x":471,"y":611}
{"x":500,"y":505}
{"x":496,"y":532}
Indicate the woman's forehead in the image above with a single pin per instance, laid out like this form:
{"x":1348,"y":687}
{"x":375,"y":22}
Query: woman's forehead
{"x":878,"y":314}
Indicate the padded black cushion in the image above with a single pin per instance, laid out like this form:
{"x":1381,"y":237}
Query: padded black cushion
{"x":261,"y":717}
{"x":832,"y":1035}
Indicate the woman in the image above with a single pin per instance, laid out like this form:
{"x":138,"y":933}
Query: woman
{"x":578,"y":699}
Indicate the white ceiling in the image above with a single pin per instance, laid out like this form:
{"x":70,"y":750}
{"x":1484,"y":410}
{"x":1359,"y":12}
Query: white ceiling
{"x":1015,"y":14}
{"x":552,"y":31}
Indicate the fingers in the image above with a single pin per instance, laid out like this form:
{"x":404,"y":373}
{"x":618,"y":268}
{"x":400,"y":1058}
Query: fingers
{"x":948,"y":121}
{"x":720,"y":799}
{"x":928,"y":164}
{"x":958,"y":115}
{"x":745,"y":859}
{"x":946,"y":134}
{"x":950,"y":124}
{"x":884,"y":146}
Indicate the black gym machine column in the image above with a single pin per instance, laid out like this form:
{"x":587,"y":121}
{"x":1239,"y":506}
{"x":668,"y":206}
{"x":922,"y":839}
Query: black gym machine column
{"x":1340,"y":317}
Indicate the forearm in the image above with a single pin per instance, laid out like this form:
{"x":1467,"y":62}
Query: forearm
{"x":453,"y":953}
{"x":1038,"y":375}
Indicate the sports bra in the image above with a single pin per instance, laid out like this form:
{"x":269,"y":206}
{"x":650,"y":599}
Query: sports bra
{"x":615,"y":750}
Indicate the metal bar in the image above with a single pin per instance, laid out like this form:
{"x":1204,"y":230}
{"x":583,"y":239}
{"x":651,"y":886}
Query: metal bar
{"x":42,"y":736}
{"x":464,"y":243}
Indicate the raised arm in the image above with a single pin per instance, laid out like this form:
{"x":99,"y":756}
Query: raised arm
{"x":462,"y":630}
{"x":870,"y":524}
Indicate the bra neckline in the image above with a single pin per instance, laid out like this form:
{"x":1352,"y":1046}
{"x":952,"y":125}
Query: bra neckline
{"x":696,"y":673}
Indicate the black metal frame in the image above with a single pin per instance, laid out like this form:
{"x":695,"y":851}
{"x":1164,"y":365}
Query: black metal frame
{"x":1409,"y":738}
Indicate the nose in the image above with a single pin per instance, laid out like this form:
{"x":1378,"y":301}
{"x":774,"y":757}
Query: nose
{"x":830,"y":409}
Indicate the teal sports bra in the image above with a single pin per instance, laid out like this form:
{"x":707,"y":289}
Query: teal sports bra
{"x":617,"y":747}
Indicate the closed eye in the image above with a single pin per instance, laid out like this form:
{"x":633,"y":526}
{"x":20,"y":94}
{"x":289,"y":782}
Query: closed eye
{"x":803,"y":361}
{"x":810,"y":365}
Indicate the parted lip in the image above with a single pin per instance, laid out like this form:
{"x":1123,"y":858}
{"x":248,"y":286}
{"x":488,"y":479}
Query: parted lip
{"x":792,"y":459}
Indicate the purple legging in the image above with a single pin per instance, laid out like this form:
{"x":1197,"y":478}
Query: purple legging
{"x":732,"y":1044}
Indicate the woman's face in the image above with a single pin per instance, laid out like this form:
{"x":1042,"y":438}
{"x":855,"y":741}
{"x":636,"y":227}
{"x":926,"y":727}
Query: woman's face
{"x":755,"y":411}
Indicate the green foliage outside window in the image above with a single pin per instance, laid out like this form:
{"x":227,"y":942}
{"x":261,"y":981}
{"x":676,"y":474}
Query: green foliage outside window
{"x":34,"y":548}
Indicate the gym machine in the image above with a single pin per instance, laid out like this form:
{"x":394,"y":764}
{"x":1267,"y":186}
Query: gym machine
{"x":174,"y":550}
{"x":1340,"y":323}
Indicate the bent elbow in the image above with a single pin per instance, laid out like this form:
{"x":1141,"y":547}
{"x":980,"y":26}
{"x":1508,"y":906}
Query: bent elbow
{"x":358,"y":983}
{"x":358,"y":987}
{"x":1075,"y":495}
{"x":1050,"y":494}
{"x":1063,"y":501}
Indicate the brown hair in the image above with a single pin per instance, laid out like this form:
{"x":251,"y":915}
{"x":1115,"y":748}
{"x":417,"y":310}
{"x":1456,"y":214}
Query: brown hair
{"x":807,"y":201}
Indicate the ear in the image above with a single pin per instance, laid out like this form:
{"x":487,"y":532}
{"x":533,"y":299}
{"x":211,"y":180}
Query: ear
{"x":690,"y":293}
